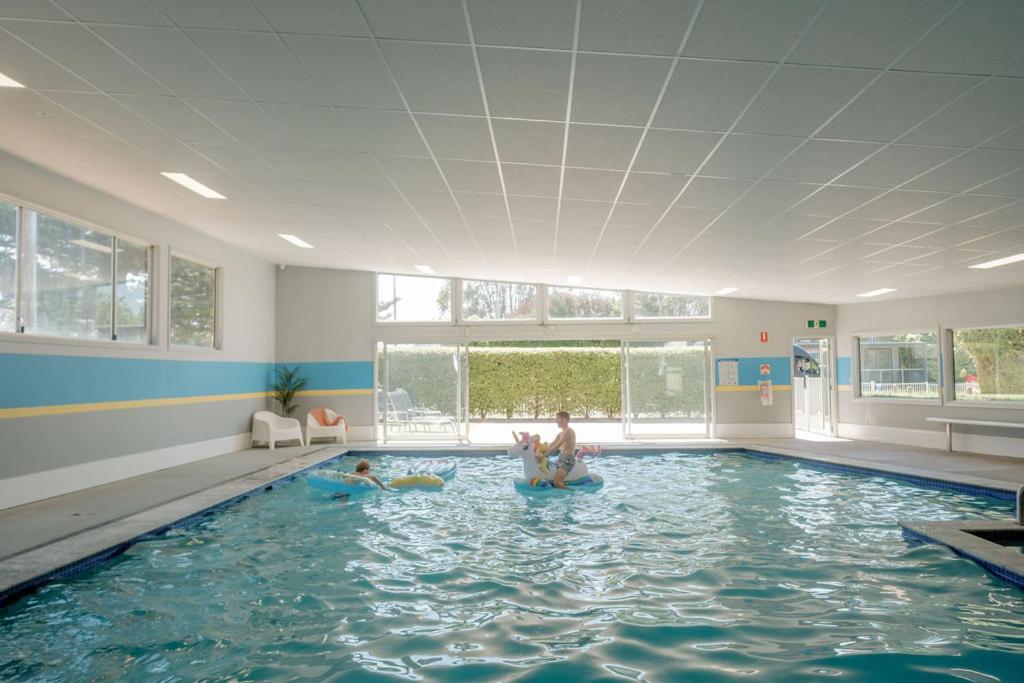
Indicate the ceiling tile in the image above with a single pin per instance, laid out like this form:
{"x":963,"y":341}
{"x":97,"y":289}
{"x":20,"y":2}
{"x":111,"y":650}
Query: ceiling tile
{"x":709,"y":95}
{"x":835,"y":200}
{"x":223,"y":14}
{"x":326,"y":17}
{"x":904,"y":231}
{"x":471,"y":176}
{"x":526,"y":179}
{"x":532,"y":208}
{"x":112,"y":12}
{"x":1010,"y":216}
{"x":325,"y":165}
{"x":951,"y":236}
{"x":867,"y":33}
{"x":961,"y":208}
{"x":980,"y":38}
{"x":985,"y":112}
{"x":894,"y":104}
{"x":969,"y":170}
{"x":245,"y":122}
{"x":790,"y":226}
{"x":439,"y":20}
{"x":896,"y":164}
{"x":110,"y":115}
{"x":175,"y":117}
{"x":652,"y":188}
{"x":748,"y":156}
{"x":897,"y":204}
{"x":350,"y":71}
{"x":771,"y":196}
{"x":823,"y":160}
{"x":713,"y":193}
{"x":436,"y":78}
{"x":260,"y":65}
{"x":617,"y":89}
{"x":525,"y":23}
{"x":583,"y":211}
{"x":170,"y":57}
{"x":591,"y":184}
{"x":32,"y":9}
{"x":376,"y":131}
{"x":688,"y":218}
{"x":56,"y":121}
{"x":529,"y":142}
{"x":1011,"y":185}
{"x":669,"y":151}
{"x":651,"y":27}
{"x":478,"y":205}
{"x":605,"y":147}
{"x":749,"y":29}
{"x":237,"y":160}
{"x":76,"y":49}
{"x":799,"y":99}
{"x":458,"y":137}
{"x":637,"y":217}
{"x":530,"y":84}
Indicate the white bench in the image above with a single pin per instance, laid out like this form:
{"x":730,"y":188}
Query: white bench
{"x":950,"y":421}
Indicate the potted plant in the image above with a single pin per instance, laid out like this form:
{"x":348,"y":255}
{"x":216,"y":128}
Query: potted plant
{"x":288,"y":384}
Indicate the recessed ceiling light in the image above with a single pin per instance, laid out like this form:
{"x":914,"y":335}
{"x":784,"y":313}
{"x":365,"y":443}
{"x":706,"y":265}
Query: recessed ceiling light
{"x":89,"y":244}
{"x":297,"y":241}
{"x":574,"y":279}
{"x":8,"y":82}
{"x":999,"y":262}
{"x":193,"y":184}
{"x":726,"y":290}
{"x":424,"y":269}
{"x":876,"y":292}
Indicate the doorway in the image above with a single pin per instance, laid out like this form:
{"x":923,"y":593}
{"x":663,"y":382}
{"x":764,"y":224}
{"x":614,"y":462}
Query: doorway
{"x":813,"y":379}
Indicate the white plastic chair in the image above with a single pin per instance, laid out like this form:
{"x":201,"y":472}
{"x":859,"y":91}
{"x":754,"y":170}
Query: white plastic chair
{"x":269,"y":428}
{"x":314,"y":429}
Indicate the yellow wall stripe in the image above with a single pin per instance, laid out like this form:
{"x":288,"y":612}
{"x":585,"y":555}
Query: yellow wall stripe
{"x":67,"y":409}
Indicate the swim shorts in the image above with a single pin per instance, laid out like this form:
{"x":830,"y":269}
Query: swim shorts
{"x":566,"y":461}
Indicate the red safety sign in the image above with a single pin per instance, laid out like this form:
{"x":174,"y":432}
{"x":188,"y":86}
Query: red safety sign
{"x":764,"y":337}
{"x":766,"y":369}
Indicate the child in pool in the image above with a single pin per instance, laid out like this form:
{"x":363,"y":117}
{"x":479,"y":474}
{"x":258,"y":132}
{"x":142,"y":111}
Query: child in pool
{"x":565,"y":445}
{"x":363,"y":471}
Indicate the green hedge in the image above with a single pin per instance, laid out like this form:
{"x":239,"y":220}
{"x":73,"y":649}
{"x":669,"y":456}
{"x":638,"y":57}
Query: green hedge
{"x":511,"y":383}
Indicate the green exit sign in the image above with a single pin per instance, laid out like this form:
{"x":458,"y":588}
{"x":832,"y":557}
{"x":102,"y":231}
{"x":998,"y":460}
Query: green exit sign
{"x":816,"y":323}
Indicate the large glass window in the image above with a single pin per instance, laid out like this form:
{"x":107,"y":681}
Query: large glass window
{"x":131,"y":314}
{"x":483,"y":300}
{"x":193,"y":303}
{"x":988,"y":364}
{"x":411,"y":298}
{"x":576,"y":303}
{"x":666,"y":388}
{"x":900,"y":366}
{"x":650,"y":305}
{"x":421,"y":391}
{"x":66,"y":277}
{"x":8,"y":266}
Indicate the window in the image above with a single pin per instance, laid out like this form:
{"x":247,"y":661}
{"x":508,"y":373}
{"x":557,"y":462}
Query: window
{"x":574,"y":303}
{"x":66,"y":278}
{"x":988,"y":364}
{"x":900,"y":366}
{"x":131,"y":285}
{"x":413,"y":299}
{"x":8,"y":266}
{"x":649,"y":305}
{"x":482,"y":300}
{"x":193,"y":320}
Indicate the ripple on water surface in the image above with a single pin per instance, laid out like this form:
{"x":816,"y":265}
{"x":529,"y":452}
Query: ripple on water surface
{"x":683,"y":567}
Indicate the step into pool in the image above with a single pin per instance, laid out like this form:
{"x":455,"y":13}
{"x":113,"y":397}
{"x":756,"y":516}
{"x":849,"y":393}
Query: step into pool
{"x":684,"y":566}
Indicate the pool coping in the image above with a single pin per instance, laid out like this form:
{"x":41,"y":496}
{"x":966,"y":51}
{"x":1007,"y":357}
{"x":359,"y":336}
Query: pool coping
{"x":26,"y":572}
{"x":960,"y":537}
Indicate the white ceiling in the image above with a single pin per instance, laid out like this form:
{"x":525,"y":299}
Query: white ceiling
{"x":796,"y":149}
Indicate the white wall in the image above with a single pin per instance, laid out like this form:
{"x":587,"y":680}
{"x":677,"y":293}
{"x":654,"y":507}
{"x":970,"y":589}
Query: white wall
{"x":904,"y":421}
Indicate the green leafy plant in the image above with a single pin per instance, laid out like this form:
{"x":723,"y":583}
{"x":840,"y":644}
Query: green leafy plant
{"x":288,"y":384}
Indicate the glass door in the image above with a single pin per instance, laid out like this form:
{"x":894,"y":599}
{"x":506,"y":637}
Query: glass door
{"x":421,"y":393}
{"x":812,"y":385}
{"x":665,"y":388}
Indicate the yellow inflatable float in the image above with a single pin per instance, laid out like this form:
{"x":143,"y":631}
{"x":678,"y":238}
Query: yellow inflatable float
{"x":425,"y":481}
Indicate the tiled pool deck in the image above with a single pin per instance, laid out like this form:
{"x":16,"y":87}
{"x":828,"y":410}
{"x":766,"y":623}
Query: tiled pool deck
{"x":43,"y":537}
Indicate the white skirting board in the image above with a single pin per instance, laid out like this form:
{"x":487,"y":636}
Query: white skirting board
{"x":925,"y":438}
{"x":39,"y":485}
{"x":769,"y":430}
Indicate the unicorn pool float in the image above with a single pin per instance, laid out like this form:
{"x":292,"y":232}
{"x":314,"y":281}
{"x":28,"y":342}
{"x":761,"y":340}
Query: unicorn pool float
{"x":538,"y":473}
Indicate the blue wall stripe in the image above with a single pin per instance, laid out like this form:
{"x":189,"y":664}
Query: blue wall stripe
{"x":844,"y":370}
{"x":750,"y":369}
{"x":31,"y":380}
{"x":354,"y":374}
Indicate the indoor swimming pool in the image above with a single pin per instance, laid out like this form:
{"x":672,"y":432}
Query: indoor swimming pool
{"x":684,"y":566}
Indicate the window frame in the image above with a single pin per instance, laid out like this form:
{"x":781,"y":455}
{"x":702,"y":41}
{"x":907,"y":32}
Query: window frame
{"x":218,"y":298}
{"x":460,"y":318}
{"x":455,"y":305}
{"x":621,"y":319}
{"x":633,"y":317}
{"x":949,"y":395}
{"x":17,"y":335}
{"x":855,"y":370}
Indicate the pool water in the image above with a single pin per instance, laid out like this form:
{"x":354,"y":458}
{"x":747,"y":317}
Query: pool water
{"x":683,"y":567}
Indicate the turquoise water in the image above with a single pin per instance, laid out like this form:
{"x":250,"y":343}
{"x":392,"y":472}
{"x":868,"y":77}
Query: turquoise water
{"x":683,"y":567}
